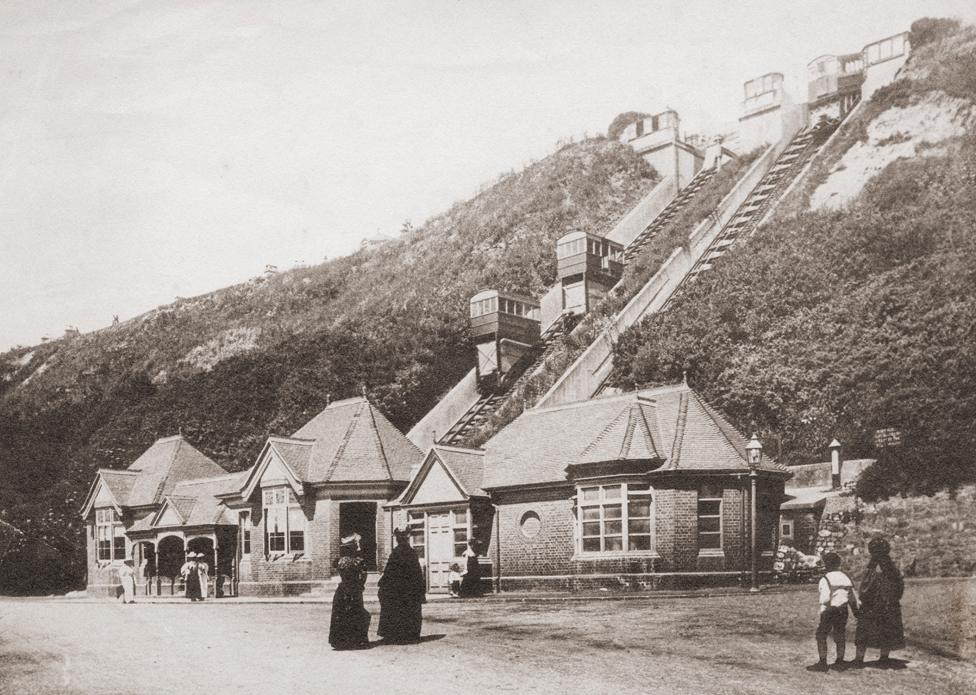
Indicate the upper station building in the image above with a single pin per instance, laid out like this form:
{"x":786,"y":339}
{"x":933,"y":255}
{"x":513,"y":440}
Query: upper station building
{"x":658,"y":140}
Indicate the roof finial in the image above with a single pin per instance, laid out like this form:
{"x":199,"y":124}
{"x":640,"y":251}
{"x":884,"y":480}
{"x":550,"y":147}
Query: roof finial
{"x":364,"y":390}
{"x":328,"y":399}
{"x":684,"y":377}
{"x":179,"y":429}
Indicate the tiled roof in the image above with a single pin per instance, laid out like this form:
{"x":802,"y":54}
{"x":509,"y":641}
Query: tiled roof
{"x":671,"y":423}
{"x":353,"y":441}
{"x":206,"y":509}
{"x":629,"y":436}
{"x":119,"y":483}
{"x":296,"y":453}
{"x":466,"y":465}
{"x":184,"y":506}
{"x":162,"y":465}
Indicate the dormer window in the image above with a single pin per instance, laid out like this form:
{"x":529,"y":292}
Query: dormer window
{"x":110,"y":535}
{"x":284,"y":522}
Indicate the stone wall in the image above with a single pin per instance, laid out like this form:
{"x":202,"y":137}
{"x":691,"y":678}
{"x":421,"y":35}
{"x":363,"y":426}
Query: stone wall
{"x":930,"y":536}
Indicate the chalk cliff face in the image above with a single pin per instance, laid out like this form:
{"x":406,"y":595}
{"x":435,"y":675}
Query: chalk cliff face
{"x":848,"y":311}
{"x":900,"y":132}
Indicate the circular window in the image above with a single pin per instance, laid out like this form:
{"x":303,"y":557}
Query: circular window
{"x":530,"y":524}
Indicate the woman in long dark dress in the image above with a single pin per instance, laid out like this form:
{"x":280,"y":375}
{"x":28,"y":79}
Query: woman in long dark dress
{"x":471,"y":581}
{"x":401,"y":592}
{"x":191,"y":577}
{"x":349,"y":628}
{"x":879,"y":623}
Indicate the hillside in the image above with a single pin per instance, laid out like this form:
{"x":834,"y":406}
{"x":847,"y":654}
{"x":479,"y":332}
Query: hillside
{"x":852,"y":309}
{"x":231,"y":367}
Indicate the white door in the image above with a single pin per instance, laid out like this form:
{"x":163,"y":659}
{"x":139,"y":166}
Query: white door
{"x":440,"y":552}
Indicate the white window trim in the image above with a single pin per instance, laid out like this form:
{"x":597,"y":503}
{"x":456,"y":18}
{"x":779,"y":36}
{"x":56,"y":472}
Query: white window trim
{"x":455,"y":526}
{"x":720,"y":550}
{"x":625,"y":496}
{"x":290,"y":503}
{"x":116,"y":521}
{"x":246,"y":527}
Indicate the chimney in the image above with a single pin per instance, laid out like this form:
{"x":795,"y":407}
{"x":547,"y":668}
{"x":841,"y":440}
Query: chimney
{"x":836,"y":463}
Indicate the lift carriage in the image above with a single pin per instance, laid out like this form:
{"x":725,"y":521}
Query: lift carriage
{"x":503,"y":327}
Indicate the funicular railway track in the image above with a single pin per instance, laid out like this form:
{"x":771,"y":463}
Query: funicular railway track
{"x":488,"y":403}
{"x":767,"y":192}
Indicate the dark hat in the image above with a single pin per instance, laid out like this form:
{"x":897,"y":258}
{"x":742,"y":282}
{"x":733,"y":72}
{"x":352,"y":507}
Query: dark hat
{"x":401,"y":534}
{"x":879,"y":547}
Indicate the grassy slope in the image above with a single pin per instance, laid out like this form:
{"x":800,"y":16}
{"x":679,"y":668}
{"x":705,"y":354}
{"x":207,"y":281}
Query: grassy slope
{"x":392,"y":319}
{"x":834,"y":324}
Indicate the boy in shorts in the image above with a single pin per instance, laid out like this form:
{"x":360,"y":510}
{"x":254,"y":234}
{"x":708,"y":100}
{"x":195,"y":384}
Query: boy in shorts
{"x":836,"y":594}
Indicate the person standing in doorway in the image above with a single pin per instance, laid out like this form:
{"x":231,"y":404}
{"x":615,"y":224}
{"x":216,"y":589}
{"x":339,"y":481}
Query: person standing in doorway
{"x":879,"y":623}
{"x":471,"y":581}
{"x":128,"y":578}
{"x":401,"y":593}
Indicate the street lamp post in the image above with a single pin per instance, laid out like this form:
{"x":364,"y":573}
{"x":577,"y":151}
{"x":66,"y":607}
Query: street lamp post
{"x":754,"y":458}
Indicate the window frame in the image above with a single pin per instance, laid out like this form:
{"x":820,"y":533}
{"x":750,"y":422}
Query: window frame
{"x":704,"y":496}
{"x":108,"y":523}
{"x":629,"y":491}
{"x":417,"y":533}
{"x":245,"y":526}
{"x":464,"y":527}
{"x":283,"y":507}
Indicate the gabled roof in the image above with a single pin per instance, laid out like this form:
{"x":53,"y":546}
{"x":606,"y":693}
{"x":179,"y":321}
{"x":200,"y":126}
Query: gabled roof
{"x":465,"y":468}
{"x":629,"y":436}
{"x":162,"y":465}
{"x":118,"y":483}
{"x":294,"y":455}
{"x":670,"y":423}
{"x":195,"y":503}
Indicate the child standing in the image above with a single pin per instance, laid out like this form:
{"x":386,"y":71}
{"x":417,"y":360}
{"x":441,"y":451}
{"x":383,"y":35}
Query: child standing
{"x":836,"y":594}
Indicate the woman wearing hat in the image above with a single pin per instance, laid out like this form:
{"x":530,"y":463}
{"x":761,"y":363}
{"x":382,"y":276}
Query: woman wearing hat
{"x":349,"y":628}
{"x":879,"y":623}
{"x":128,"y":579}
{"x":401,"y":589}
{"x":190,"y":572}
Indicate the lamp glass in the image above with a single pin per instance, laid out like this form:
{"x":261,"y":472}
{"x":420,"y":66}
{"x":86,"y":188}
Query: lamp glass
{"x":754,"y":452}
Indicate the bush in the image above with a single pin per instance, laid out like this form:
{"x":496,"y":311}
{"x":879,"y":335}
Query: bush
{"x":931,"y":29}
{"x":620,"y":123}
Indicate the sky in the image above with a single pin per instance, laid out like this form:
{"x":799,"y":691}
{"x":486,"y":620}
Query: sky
{"x":150,"y":150}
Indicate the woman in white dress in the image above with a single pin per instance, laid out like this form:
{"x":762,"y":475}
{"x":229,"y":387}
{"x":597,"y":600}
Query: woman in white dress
{"x":127,"y":577}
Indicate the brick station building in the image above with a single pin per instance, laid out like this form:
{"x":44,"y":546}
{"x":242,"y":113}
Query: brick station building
{"x":642,"y":489}
{"x":645,"y":489}
{"x":271,"y":530}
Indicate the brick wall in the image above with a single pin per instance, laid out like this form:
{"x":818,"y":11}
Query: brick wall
{"x":548,"y":552}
